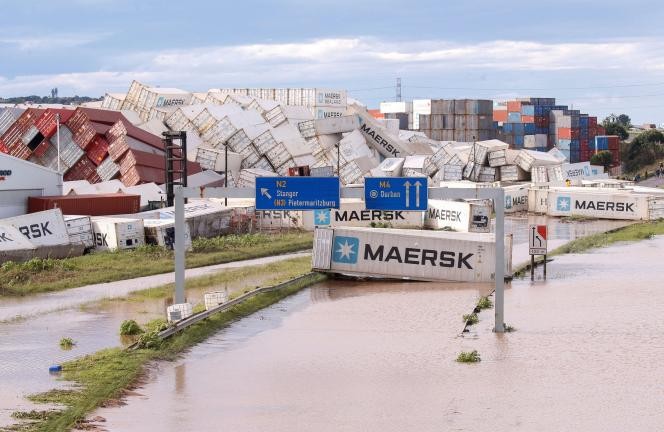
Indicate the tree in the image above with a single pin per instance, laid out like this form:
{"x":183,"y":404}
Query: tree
{"x":604,"y":158}
{"x":644,"y":150}
{"x":617,"y":129}
{"x":624,"y":120}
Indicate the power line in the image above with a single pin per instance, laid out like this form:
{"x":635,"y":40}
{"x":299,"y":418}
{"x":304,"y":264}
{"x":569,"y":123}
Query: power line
{"x":540,"y":88}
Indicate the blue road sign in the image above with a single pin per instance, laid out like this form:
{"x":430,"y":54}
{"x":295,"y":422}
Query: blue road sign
{"x":297,"y":193}
{"x":396,"y":193}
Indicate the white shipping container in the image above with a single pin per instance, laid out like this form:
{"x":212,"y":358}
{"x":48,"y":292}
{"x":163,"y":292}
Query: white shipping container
{"x":215,"y":159}
{"x":497,"y":158}
{"x":538,"y":199}
{"x":516,"y":199}
{"x":449,"y":173}
{"x":333,"y":125}
{"x":576,"y":171}
{"x":117,"y":233}
{"x":407,"y":254}
{"x":327,"y":112}
{"x":391,"y":167}
{"x":268,"y":220}
{"x":352,"y":212}
{"x":108,"y":169}
{"x":45,"y":228}
{"x":623,"y":206}
{"x":205,"y":218}
{"x":538,"y":174}
{"x":458,"y":216}
{"x":380,"y":138}
{"x":79,"y":230}
{"x":11,"y":239}
{"x":513,"y":173}
{"x":162,"y":232}
{"x":555,"y":173}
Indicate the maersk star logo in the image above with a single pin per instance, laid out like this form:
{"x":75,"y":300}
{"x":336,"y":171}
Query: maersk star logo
{"x":345,"y":249}
{"x":563,"y":203}
{"x":508,"y":202}
{"x":322,"y":217}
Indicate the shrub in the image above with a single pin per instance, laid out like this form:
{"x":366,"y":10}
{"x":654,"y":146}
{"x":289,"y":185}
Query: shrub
{"x":130,"y":327}
{"x":67,"y":343}
{"x":468,"y":357}
{"x":471,"y":319}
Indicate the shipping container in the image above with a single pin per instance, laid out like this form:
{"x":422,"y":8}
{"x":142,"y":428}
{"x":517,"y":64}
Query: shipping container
{"x":162,"y":233}
{"x":11,"y":239}
{"x":117,"y":233}
{"x":92,"y":205}
{"x":353,"y":212}
{"x":407,"y":254}
{"x":79,"y":230}
{"x":458,"y":216}
{"x":611,"y":205}
{"x":44,"y":228}
{"x":516,"y":198}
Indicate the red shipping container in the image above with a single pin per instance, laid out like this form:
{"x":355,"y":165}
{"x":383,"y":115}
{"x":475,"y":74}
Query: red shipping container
{"x":375,"y":113}
{"x":541,"y":121}
{"x":46,"y":123}
{"x":41,"y":148}
{"x":77,"y":120}
{"x":592,"y":121}
{"x":527,"y":119}
{"x":13,"y":134}
{"x":94,"y":178}
{"x":140,"y":174}
{"x":514,"y":106}
{"x":84,"y":136}
{"x":81,"y":170}
{"x":500,"y":115}
{"x":3,"y":147}
{"x":118,"y":147}
{"x":98,"y":150}
{"x":91,"y":205}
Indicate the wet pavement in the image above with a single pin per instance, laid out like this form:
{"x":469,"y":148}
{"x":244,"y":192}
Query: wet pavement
{"x":347,"y":356}
{"x":28,"y":346}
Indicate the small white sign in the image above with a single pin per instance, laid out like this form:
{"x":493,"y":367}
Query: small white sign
{"x":537,"y":239}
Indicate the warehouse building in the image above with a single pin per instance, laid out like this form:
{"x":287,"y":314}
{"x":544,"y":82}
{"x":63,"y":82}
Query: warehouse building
{"x":20,"y":179}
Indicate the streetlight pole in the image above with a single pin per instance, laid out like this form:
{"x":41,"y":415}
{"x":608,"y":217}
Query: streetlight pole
{"x":226,"y":172}
{"x":57,"y":128}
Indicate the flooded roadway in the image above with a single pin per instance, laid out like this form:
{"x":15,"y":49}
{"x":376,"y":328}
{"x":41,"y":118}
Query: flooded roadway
{"x":29,"y":346}
{"x":342,"y":356}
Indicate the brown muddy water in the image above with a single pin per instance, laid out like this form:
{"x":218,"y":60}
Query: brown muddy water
{"x":347,"y":356}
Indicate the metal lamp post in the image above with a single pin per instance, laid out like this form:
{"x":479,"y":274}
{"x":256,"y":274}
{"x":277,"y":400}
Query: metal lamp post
{"x":57,"y":129}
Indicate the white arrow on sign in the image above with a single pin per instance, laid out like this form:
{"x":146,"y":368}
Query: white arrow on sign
{"x":417,"y":193}
{"x":407,"y":185}
{"x":265,"y":193}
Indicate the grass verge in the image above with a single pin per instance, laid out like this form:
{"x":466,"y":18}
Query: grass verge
{"x":469,"y":357}
{"x":634,"y":232}
{"x":37,"y":276}
{"x":104,"y":377}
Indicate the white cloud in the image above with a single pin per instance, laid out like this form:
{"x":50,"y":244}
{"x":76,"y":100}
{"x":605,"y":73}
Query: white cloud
{"x":338,"y":60}
{"x":50,"y":42}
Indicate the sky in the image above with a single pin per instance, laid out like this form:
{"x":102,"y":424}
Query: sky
{"x":601,"y":57}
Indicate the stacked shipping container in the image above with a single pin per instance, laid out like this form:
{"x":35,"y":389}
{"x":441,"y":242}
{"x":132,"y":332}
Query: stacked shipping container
{"x":464,"y":120}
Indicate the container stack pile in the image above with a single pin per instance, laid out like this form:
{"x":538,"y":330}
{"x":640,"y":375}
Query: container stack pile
{"x":610,"y":143}
{"x":459,"y":120}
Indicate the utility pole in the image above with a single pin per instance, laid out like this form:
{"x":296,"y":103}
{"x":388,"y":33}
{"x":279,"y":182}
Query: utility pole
{"x":398,"y":89}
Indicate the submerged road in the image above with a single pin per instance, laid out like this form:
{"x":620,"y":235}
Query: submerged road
{"x":586,"y":355}
{"x":15,"y":307}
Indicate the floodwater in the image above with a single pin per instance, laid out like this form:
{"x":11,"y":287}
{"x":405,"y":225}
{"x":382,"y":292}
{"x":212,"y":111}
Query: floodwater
{"x":346,"y":356}
{"x":29,"y":345}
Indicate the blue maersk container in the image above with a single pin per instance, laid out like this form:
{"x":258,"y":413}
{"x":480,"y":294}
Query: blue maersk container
{"x":542,"y":130}
{"x":514,"y":117}
{"x":528,"y":110}
{"x":518,"y":129}
{"x":601,"y":143}
{"x":529,"y":128}
{"x":574,"y":145}
{"x":508,"y":128}
{"x":583,"y":122}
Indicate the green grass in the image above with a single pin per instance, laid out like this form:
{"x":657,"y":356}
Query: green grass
{"x":469,"y":357}
{"x":106,"y":375}
{"x":635,"y":232}
{"x":37,"y":276}
{"x":130,"y":328}
{"x":471,"y":319}
{"x":484,"y":303}
{"x":67,"y":343}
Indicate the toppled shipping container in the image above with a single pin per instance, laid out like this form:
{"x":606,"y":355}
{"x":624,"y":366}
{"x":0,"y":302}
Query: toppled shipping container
{"x":408,"y":254}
